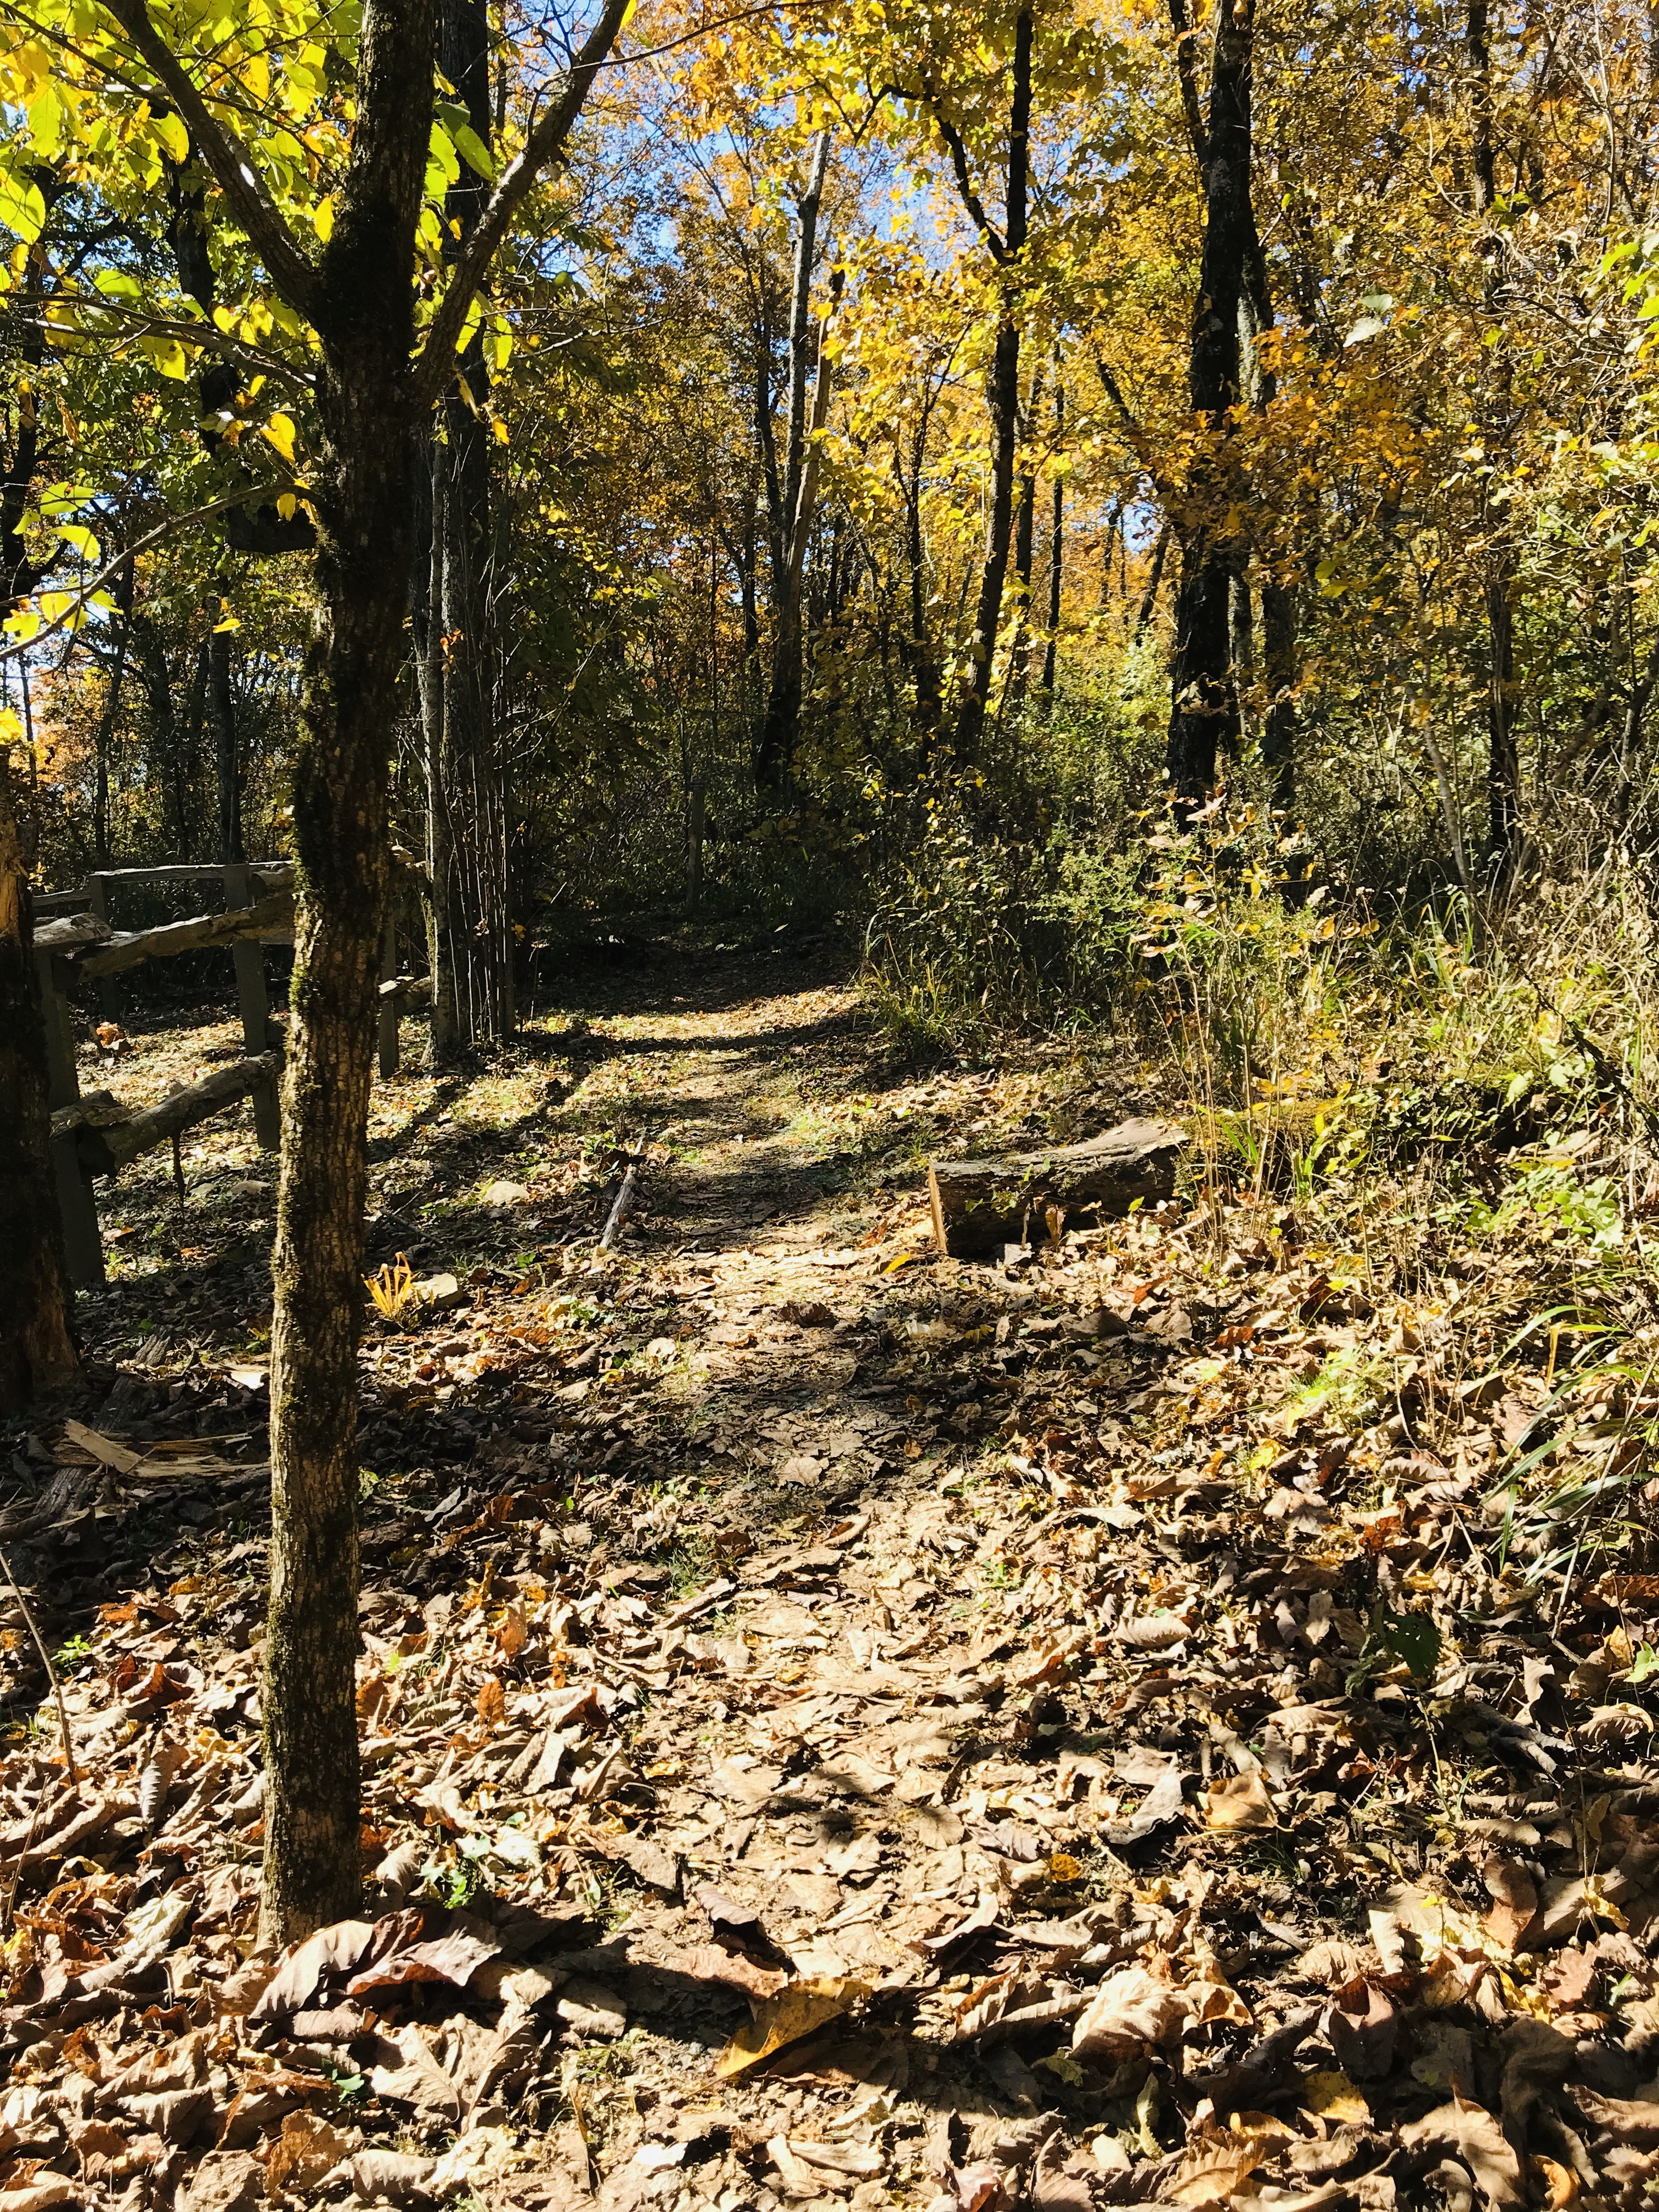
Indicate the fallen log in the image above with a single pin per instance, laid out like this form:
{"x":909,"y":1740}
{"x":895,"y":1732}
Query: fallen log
{"x":979,"y":1204}
{"x":106,"y":1151}
{"x":126,"y":949}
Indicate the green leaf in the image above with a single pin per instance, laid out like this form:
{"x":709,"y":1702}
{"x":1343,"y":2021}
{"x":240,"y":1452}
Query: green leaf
{"x":1414,"y":1637}
{"x":21,"y":207}
{"x":473,"y":151}
{"x":117,"y":284}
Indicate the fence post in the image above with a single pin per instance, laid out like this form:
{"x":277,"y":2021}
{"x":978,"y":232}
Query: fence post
{"x":84,"y":1248}
{"x":109,"y":993}
{"x":389,"y":1008}
{"x":257,"y":1034}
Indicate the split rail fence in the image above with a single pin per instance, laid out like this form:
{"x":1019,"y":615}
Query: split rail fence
{"x":95,"y":1135}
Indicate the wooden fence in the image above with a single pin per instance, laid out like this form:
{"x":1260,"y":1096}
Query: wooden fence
{"x":95,"y":1135}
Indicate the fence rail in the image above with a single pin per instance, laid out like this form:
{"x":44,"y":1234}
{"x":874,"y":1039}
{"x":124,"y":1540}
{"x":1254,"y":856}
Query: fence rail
{"x":96,"y":1135}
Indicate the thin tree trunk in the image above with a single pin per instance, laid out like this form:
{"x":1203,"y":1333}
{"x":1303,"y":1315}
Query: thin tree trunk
{"x":1002,"y":397}
{"x":107,"y":721}
{"x":1502,"y":749}
{"x":780,"y":729}
{"x":1204,"y":708}
{"x":367,"y":438}
{"x":37,"y":1339}
{"x":227,"y":754}
{"x":1155,"y":577}
{"x":426,"y":622}
{"x":1056,"y":552}
{"x":1024,"y":556}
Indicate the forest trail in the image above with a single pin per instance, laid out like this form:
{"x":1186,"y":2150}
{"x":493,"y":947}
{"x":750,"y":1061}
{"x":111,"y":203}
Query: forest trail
{"x":838,"y":1722}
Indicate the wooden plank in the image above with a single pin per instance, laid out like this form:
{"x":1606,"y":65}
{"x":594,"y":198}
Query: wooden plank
{"x":272,"y":873}
{"x":83,"y":1245}
{"x":106,"y":1151}
{"x":255,"y":1009}
{"x":979,"y":1204}
{"x":407,"y":991}
{"x":269,"y":914}
{"x":59,"y":901}
{"x":69,"y":935}
{"x":63,"y":1082}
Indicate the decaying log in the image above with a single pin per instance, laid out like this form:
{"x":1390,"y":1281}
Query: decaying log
{"x":127,"y":949}
{"x":980,"y":1204}
{"x":104,"y":1151}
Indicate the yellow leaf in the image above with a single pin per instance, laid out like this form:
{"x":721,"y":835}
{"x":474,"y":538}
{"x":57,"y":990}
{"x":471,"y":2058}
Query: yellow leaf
{"x":322,"y":217}
{"x":903,"y":1261}
{"x":804,"y":2006}
{"x":175,"y":139}
{"x":279,"y":432}
{"x":286,"y":505}
{"x":230,"y":622}
{"x":1333,"y":2097}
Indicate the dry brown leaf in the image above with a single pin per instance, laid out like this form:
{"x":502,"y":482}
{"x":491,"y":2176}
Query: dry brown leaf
{"x":225,"y":2181}
{"x":1515,"y":1900}
{"x":332,"y":1950}
{"x":492,"y":1702}
{"x":306,"y":2149}
{"x":707,"y":1962}
{"x":1240,"y":1801}
{"x":796,"y":2011}
{"x":1131,"y":2011}
{"x":1471,"y":2133}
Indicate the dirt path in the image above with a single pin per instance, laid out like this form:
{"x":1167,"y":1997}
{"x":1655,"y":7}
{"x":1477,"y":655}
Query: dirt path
{"x":837,"y":1723}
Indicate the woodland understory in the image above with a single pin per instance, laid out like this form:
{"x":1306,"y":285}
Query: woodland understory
{"x":1168,"y":1720}
{"x":702,"y":616}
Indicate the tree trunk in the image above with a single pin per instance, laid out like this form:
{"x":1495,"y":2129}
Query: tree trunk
{"x":1204,"y":707}
{"x":1503,"y":751}
{"x":1024,"y":555}
{"x":367,"y":438}
{"x":780,"y":726}
{"x":1002,"y":400}
{"x":1056,"y":553}
{"x":227,"y":754}
{"x":107,"y":721}
{"x":37,"y":1341}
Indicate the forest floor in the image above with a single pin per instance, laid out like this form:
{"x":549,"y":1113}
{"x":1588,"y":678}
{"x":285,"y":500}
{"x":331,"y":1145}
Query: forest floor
{"x":841,"y":1723}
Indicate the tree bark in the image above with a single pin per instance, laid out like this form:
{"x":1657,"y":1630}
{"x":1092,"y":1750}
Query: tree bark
{"x":1002,"y":382}
{"x":373,"y":397}
{"x":1056,"y":552}
{"x":1024,"y":554}
{"x":227,"y":754}
{"x":1204,"y":706}
{"x":37,"y":1340}
{"x":780,"y":727}
{"x":107,"y":721}
{"x":1498,"y":589}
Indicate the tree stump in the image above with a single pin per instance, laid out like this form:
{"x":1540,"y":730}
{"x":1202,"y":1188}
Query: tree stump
{"x":979,"y":1204}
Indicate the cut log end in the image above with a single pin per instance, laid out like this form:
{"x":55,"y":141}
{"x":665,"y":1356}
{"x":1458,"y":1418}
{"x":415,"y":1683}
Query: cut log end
{"x":980,"y":1205}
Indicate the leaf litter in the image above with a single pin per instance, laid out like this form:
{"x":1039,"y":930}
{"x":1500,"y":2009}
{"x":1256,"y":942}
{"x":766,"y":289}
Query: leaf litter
{"x":1154,"y":1723}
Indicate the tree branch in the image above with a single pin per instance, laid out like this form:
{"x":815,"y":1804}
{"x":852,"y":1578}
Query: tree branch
{"x":1186,"y":71}
{"x":174,"y":523}
{"x":970,"y":198}
{"x":434,"y":365}
{"x":271,"y":238}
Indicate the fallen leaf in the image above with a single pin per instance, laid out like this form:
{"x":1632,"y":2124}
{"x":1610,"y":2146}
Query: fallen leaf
{"x":1469,"y":2132}
{"x":1240,"y":1801}
{"x":796,"y":2011}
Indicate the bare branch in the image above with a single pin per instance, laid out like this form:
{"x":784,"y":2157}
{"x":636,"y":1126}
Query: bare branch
{"x":1187,"y":69}
{"x":434,"y":365}
{"x":290,"y":270}
{"x":970,"y":198}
